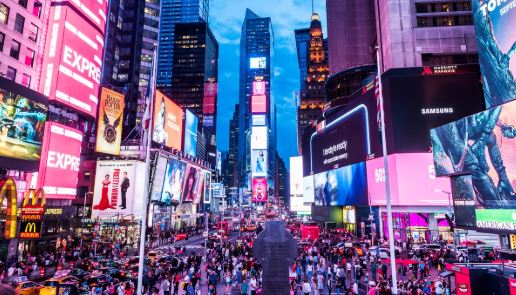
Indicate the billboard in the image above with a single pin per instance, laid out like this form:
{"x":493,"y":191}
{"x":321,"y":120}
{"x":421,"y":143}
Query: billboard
{"x":207,"y":188}
{"x":259,"y":88}
{"x":494,"y":25}
{"x":258,"y":104}
{"x":259,"y":138}
{"x":158,"y":177}
{"x":168,"y":122}
{"x":297,"y":205}
{"x":258,"y":62}
{"x":210,"y":96}
{"x":463,"y":200}
{"x":173,"y":181}
{"x":190,"y":184}
{"x":72,"y":59}
{"x":60,"y":159}
{"x":23,"y":113}
{"x":308,"y":189}
{"x":109,"y":124}
{"x":258,"y":120}
{"x":118,"y":189}
{"x":296,"y":175}
{"x":412,"y":181}
{"x":191,"y":122}
{"x":259,"y":190}
{"x":200,"y":187}
{"x":342,"y":187}
{"x":259,"y":163}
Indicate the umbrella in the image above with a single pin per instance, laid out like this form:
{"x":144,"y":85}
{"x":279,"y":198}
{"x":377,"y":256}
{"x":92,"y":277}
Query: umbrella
{"x":402,"y":261}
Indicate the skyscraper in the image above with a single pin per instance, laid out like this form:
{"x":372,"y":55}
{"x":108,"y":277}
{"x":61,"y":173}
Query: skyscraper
{"x":172,"y":13}
{"x":257,"y":129}
{"x":229,"y":166}
{"x":302,"y":44}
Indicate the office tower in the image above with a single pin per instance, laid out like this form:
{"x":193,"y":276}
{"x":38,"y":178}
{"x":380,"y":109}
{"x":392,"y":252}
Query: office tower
{"x":425,"y":33}
{"x":21,"y":26}
{"x":351,"y":30}
{"x":302,"y":42}
{"x":257,"y":131}
{"x":172,"y":13}
{"x":230,"y":167}
{"x":282,"y":181}
{"x":312,"y":96}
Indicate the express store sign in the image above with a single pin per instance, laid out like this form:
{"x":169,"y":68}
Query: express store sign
{"x":60,"y":159}
{"x":73,"y":56}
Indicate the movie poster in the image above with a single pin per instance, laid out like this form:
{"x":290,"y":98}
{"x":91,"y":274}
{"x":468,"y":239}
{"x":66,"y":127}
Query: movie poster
{"x":200,"y":187}
{"x":172,"y":185}
{"x":259,"y":190}
{"x":259,"y":163}
{"x":109,"y":125}
{"x":190,"y":183}
{"x":168,"y":122}
{"x":341,"y":187}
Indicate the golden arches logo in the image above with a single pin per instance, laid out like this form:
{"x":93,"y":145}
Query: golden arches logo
{"x":34,"y":196}
{"x":8,"y":191}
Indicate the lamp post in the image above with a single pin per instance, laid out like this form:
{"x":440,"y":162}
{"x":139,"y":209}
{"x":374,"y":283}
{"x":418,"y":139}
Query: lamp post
{"x":84,"y":216}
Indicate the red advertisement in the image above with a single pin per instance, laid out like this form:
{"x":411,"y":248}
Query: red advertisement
{"x":168,"y":122}
{"x":210,"y":93}
{"x":60,"y":159}
{"x":309,"y":232}
{"x":72,"y":60}
{"x":259,"y":189}
{"x":462,"y":279}
{"x":259,"y":88}
{"x":512,"y":286}
{"x":258,"y":104}
{"x":94,"y":10}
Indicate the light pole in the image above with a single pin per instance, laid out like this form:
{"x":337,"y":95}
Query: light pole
{"x":83,"y":216}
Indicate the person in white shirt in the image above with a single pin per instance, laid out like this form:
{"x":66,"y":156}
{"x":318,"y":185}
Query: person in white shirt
{"x":307,"y":289}
{"x":254,"y":285}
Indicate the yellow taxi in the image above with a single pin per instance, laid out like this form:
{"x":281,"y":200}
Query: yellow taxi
{"x":27,"y":288}
{"x":51,"y":286}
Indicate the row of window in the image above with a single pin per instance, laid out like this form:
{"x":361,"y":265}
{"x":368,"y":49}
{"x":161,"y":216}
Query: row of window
{"x":443,"y":21}
{"x":14,"y":52}
{"x":11,"y":74}
{"x":443,"y":7}
{"x":19,"y":22}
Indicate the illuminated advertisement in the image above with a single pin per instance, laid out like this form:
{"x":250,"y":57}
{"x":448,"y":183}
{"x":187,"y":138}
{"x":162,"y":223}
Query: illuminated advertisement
{"x":72,"y":60}
{"x":259,"y":88}
{"x":343,"y":186}
{"x":23,"y":113}
{"x":348,"y":214}
{"x":168,"y":122}
{"x":308,"y":189}
{"x":258,"y":163}
{"x":412,"y":181}
{"x":483,"y":145}
{"x":494,"y":25}
{"x":173,"y":182}
{"x":109,"y":126}
{"x":258,"y":63}
{"x":190,"y":184}
{"x":296,"y":175}
{"x":259,"y":190}
{"x":118,"y":189}
{"x":200,"y":187}
{"x":496,"y":219}
{"x":158,"y":177}
{"x":259,"y":138}
{"x":191,"y":121}
{"x":297,"y":205}
{"x":93,"y":10}
{"x":207,"y":188}
{"x":463,"y":200}
{"x":258,"y":120}
{"x":210,"y":94}
{"x":60,"y":159}
{"x":258,"y":104}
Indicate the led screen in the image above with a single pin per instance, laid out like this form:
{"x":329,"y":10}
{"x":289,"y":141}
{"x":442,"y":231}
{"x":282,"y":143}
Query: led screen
{"x":259,"y":88}
{"x":109,"y":125}
{"x":168,"y":122}
{"x":296,"y":175}
{"x":200,"y":187}
{"x":258,"y":63}
{"x":259,"y":190}
{"x":158,"y":177}
{"x":259,"y":138}
{"x":118,"y":190}
{"x":92,"y":10}
{"x":210,"y":94}
{"x":463,"y":200}
{"x":23,"y":113}
{"x":297,"y":205}
{"x":60,"y":159}
{"x":483,"y":145}
{"x":258,"y":120}
{"x":191,"y":122}
{"x":190,"y":184}
{"x":258,"y":163}
{"x":207,"y":188}
{"x":72,"y":60}
{"x":258,"y":104}
{"x":343,"y":186}
{"x":308,"y":189}
{"x":173,"y":182}
{"x":494,"y":25}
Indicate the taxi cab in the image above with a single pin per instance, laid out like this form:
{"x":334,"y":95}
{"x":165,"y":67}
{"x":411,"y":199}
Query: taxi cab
{"x":27,"y":288}
{"x":51,"y":286}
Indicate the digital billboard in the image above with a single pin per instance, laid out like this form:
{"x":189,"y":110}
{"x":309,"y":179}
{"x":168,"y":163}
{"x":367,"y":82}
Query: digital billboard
{"x":494,"y":25}
{"x":258,"y":104}
{"x":190,"y":184}
{"x":173,"y":182}
{"x":191,"y":122}
{"x":23,"y":113}
{"x":342,"y":187}
{"x":308,"y":189}
{"x":296,"y":175}
{"x":158,"y":178}
{"x":118,"y":189}
{"x":60,"y":159}
{"x":258,"y":120}
{"x":200,"y":187}
{"x":259,"y":190}
{"x":297,"y":205}
{"x":258,"y":163}
{"x":72,"y":59}
{"x":168,"y":122}
{"x":259,"y":137}
{"x":209,"y":101}
{"x":109,"y":124}
{"x":463,"y":200}
{"x":259,"y":88}
{"x":258,"y":62}
{"x":412,"y":181}
{"x":207,"y":188}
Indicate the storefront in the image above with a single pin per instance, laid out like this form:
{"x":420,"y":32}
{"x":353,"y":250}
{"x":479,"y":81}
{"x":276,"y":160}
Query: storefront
{"x":417,"y":227}
{"x":185,"y":216}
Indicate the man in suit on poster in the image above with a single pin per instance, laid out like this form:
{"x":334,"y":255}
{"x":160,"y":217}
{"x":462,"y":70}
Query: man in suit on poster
{"x":124,"y":187}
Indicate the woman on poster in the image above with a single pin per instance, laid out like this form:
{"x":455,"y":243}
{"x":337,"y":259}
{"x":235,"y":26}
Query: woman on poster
{"x":104,"y":199}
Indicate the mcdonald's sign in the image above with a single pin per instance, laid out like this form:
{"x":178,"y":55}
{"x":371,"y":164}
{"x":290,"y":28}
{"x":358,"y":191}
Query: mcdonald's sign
{"x":30,"y":229}
{"x":8,"y":191}
{"x":31,"y":211}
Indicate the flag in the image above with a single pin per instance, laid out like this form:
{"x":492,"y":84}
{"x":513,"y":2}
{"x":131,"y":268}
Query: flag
{"x":378,"y":104}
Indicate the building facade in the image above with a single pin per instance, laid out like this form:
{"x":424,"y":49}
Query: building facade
{"x":302,"y":43}
{"x":230,"y":175}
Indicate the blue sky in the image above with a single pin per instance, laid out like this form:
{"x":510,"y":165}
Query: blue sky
{"x":226,"y":17}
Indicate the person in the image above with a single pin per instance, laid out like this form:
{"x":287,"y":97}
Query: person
{"x":189,"y":191}
{"x":355,"y":287}
{"x":104,"y":199}
{"x":244,"y":288}
{"x":330,"y":283}
{"x":120,"y":290}
{"x":159,"y":134}
{"x":260,"y":163}
{"x":307,"y":289}
{"x":384,"y":271}
{"x":165,"y":286}
{"x":254,"y":285}
{"x":123,"y":188}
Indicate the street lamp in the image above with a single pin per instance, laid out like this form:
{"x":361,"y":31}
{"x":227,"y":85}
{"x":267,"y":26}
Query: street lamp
{"x":84,"y":216}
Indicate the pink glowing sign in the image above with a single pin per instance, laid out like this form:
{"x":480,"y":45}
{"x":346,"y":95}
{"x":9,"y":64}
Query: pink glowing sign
{"x":412,"y":181}
{"x":60,"y":159}
{"x":258,"y":104}
{"x":259,"y":190}
{"x":259,"y":88}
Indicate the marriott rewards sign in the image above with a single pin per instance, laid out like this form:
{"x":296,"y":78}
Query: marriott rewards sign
{"x":119,"y":189}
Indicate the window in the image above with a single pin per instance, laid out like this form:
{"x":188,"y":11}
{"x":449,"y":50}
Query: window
{"x":36,"y":10}
{"x":15,"y":49}
{"x":26,"y":80}
{"x":29,"y":58}
{"x":11,"y":73}
{"x":2,"y":40}
{"x":33,"y":32}
{"x":4,"y":13}
{"x":23,"y":3}
{"x":19,"y":23}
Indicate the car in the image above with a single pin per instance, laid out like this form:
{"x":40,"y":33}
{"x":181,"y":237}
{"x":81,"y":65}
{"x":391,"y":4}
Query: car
{"x":27,"y":288}
{"x":51,"y":286}
{"x":79,"y":273}
{"x":397,"y":249}
{"x":152,"y":255}
{"x":179,"y":237}
{"x":380,"y":252}
{"x":101,"y":280}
